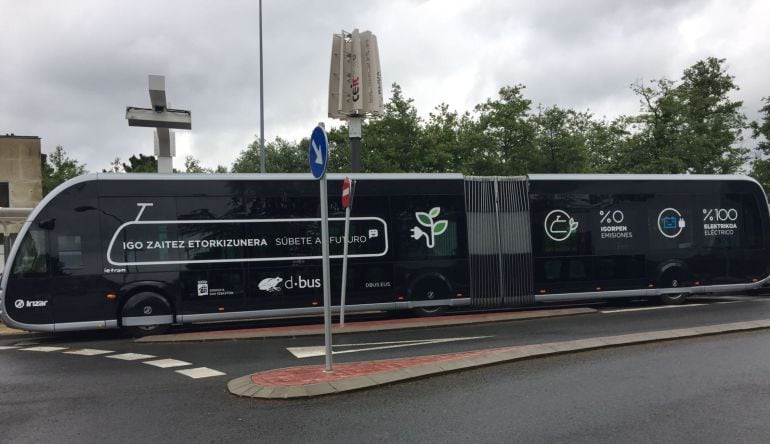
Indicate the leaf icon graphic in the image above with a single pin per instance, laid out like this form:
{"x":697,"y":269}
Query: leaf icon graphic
{"x":434,"y":212}
{"x":440,"y":227}
{"x":424,"y":219}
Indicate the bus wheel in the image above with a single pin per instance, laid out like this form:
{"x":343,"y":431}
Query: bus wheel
{"x":428,"y":288}
{"x":138,"y":331}
{"x":146,"y":313}
{"x":673,"y":298}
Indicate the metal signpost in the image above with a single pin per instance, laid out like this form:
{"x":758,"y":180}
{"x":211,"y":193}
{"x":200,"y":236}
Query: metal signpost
{"x":317,"y":157}
{"x":347,"y":201}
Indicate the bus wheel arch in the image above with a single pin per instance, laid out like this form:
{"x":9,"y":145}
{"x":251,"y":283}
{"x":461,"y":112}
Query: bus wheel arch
{"x":146,"y":312}
{"x":426,"y":287}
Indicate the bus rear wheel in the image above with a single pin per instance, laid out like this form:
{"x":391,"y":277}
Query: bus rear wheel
{"x":139,"y":331}
{"x":429,"y":288}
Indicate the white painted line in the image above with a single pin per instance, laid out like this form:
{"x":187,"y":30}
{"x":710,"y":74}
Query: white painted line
{"x":88,"y":352}
{"x":661,"y":307}
{"x":309,"y":352}
{"x":44,"y":349}
{"x":167,"y":363}
{"x":131,"y":356}
{"x":8,"y":347}
{"x":200,"y":372}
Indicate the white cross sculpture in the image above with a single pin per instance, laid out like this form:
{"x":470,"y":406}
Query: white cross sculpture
{"x":161,"y":118}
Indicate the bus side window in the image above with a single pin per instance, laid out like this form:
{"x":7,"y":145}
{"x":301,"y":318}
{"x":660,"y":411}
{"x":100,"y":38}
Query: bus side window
{"x":32,"y":259}
{"x":70,"y":252}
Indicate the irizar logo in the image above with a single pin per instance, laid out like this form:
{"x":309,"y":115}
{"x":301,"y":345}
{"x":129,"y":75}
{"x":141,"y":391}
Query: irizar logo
{"x":435,"y":228}
{"x":270,"y":285}
{"x":19,"y":304}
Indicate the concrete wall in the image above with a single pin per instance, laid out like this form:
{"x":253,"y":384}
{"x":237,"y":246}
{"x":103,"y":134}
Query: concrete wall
{"x":20,"y":167}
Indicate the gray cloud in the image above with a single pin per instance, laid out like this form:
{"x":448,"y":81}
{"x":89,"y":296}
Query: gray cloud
{"x":70,"y":68}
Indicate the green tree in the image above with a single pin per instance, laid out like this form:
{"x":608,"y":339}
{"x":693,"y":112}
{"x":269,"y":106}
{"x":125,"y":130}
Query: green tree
{"x":390,"y":143}
{"x":688,"y":127}
{"x":58,"y":168}
{"x":141,"y":164}
{"x":440,"y":145}
{"x":560,"y":140}
{"x":507,"y":143}
{"x":760,"y":168}
{"x":281,"y":156}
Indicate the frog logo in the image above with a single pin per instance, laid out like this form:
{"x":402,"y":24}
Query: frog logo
{"x":270,"y":285}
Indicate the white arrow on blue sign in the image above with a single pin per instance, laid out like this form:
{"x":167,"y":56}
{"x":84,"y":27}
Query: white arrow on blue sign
{"x":318,"y":152}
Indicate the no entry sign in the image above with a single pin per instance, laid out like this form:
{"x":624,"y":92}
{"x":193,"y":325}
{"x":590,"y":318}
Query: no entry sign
{"x":345,"y":192}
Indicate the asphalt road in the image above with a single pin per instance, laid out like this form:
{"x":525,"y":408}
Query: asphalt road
{"x":707,"y":389}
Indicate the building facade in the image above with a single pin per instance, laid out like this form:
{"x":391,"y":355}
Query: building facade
{"x":20,"y":185}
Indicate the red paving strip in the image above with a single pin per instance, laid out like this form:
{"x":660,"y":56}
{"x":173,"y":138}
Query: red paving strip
{"x":311,"y":374}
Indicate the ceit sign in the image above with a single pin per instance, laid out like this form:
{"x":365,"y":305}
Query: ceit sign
{"x":318,"y":152}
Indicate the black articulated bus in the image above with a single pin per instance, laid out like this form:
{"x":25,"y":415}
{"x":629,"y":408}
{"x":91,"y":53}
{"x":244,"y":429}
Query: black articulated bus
{"x":144,"y":251}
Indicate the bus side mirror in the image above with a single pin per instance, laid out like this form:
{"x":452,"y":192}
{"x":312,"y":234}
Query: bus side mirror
{"x":47,"y":224}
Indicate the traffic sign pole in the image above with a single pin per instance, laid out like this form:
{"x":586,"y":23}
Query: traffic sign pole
{"x":317,"y":154}
{"x":326,"y":273}
{"x":347,"y":202}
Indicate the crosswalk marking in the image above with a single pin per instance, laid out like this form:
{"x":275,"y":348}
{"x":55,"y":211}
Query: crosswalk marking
{"x":167,"y":363}
{"x":200,"y":372}
{"x":131,"y":356}
{"x":309,"y":352}
{"x":44,"y":349}
{"x":88,"y":352}
{"x":8,"y":347}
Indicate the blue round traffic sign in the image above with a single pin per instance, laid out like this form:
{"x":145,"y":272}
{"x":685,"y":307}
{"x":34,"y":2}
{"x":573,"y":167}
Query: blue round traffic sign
{"x":318,"y":152}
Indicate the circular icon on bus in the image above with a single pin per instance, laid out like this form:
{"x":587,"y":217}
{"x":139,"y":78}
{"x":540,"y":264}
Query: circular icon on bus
{"x":670,"y":223}
{"x":18,"y":303}
{"x":559,"y":225}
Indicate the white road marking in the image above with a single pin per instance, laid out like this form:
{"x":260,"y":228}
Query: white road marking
{"x":131,"y":356}
{"x":200,"y":372}
{"x":167,"y":363}
{"x":8,"y":347}
{"x":88,"y":352}
{"x":619,"y":310}
{"x":44,"y":349}
{"x":308,"y":352}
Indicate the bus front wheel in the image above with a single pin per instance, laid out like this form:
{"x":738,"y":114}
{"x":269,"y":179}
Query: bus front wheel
{"x":146,"y":313}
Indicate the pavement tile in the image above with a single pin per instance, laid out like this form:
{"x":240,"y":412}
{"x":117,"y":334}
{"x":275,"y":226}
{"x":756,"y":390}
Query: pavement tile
{"x":297,"y":392}
{"x":243,"y":381}
{"x":264,"y":392}
{"x":250,"y":391}
{"x":347,"y":384}
{"x":278,"y":392}
{"x":388,"y":376}
{"x":563,"y":346}
{"x":452,"y":365}
{"x":518,"y":353}
{"x":709,"y":329}
{"x":422,"y":370}
{"x":321,"y":388}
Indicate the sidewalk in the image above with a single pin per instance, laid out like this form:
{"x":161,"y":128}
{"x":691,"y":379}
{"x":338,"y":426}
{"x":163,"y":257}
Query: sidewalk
{"x":7,"y":331}
{"x":364,"y":326}
{"x":311,"y":380}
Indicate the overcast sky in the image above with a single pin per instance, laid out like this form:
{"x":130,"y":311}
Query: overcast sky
{"x":69,"y":68}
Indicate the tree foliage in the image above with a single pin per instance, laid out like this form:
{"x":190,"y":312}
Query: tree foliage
{"x":58,"y":168}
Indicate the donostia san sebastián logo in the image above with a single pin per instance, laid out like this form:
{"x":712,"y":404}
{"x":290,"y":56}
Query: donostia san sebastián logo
{"x":559,"y":225}
{"x":435,"y":228}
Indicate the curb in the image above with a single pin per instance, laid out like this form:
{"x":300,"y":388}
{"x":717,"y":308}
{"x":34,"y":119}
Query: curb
{"x":366,"y":326}
{"x":312,"y":381}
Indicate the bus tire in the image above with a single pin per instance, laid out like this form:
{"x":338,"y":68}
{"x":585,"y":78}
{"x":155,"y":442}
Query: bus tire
{"x":426,"y":288}
{"x":146,"y":305}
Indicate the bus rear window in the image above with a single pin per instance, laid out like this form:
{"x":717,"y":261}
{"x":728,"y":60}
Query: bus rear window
{"x":32,"y":257}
